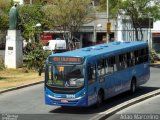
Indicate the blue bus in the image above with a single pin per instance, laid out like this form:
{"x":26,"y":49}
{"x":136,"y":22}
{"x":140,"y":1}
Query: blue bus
{"x":88,"y":76}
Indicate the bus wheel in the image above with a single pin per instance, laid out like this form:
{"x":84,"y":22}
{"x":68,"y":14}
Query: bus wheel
{"x":133,"y":86}
{"x":99,"y":99}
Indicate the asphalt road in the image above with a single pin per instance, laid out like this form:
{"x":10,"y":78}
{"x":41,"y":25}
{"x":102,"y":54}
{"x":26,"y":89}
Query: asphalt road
{"x":28,"y":103}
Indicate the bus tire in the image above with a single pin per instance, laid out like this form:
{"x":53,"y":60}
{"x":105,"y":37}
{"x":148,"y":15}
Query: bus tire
{"x":133,"y":86}
{"x":99,"y":99}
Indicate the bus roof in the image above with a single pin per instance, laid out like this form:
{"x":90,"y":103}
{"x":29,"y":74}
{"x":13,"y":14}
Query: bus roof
{"x":110,"y":48}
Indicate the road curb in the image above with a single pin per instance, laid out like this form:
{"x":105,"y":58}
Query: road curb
{"x":22,"y":86}
{"x":113,"y":110}
{"x":154,"y":64}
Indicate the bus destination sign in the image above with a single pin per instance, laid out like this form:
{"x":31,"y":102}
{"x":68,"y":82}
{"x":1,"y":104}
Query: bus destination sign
{"x":66,"y":60}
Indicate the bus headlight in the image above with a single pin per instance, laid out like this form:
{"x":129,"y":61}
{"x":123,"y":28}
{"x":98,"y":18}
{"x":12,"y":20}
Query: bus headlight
{"x":83,"y":94}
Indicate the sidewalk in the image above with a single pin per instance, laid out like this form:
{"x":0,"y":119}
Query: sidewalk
{"x":156,"y":63}
{"x":149,"y":106}
{"x":147,"y":110}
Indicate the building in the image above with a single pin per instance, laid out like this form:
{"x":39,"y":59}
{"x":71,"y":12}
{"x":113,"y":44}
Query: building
{"x":95,"y":32}
{"x":155,"y":36}
{"x":121,"y":29}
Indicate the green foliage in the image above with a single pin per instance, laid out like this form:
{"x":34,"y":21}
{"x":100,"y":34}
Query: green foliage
{"x":68,"y":15}
{"x":4,"y":9}
{"x":2,"y":66}
{"x":5,"y":5}
{"x":153,"y":56}
{"x":113,"y":5}
{"x":29,"y":15}
{"x":142,"y":8}
{"x":133,"y":8}
{"x":35,"y":56}
{"x":3,"y":21}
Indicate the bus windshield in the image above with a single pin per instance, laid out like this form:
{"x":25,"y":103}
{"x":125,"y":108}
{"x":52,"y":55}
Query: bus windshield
{"x":65,"y":76}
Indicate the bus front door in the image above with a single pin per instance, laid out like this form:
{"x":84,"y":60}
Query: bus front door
{"x":92,"y":84}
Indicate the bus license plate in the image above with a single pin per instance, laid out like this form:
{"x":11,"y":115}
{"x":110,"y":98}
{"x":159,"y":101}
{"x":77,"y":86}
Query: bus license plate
{"x":64,"y":101}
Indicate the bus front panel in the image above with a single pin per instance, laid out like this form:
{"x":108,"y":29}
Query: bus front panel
{"x":65,"y":85}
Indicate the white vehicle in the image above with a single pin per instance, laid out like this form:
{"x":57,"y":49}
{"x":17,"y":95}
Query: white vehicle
{"x":55,"y":45}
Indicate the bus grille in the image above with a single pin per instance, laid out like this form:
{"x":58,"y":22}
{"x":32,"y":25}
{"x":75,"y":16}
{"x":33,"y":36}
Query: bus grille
{"x":59,"y":102}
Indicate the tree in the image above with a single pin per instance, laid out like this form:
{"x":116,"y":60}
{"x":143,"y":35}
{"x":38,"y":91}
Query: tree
{"x":4,"y":9}
{"x":136,"y":10}
{"x":114,"y":6}
{"x":34,"y":56}
{"x":29,"y":16}
{"x":68,"y":16}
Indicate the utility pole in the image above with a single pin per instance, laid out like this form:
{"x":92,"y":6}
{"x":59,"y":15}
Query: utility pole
{"x":30,"y":1}
{"x":107,"y":20}
{"x":94,"y":29}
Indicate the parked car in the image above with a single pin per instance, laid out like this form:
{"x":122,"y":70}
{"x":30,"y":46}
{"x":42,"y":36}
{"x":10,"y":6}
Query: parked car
{"x":55,"y":45}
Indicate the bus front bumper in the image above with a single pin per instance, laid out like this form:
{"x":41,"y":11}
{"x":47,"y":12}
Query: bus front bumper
{"x":78,"y":102}
{"x":79,"y":99}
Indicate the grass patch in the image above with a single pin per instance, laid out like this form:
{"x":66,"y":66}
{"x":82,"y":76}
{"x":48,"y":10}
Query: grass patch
{"x":10,"y":78}
{"x":2,"y":78}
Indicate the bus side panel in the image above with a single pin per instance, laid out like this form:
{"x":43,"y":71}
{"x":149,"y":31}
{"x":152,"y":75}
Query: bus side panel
{"x":92,"y":93}
{"x":122,"y":81}
{"x":109,"y":86}
{"x":142,"y":73}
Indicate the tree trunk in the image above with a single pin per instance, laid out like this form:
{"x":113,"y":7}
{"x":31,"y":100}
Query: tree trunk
{"x":136,"y":33}
{"x":141,"y":33}
{"x":136,"y":28}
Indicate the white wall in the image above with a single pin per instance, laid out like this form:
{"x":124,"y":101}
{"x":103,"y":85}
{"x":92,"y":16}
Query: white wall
{"x":156,"y":26}
{"x":19,"y":1}
{"x":119,"y":29}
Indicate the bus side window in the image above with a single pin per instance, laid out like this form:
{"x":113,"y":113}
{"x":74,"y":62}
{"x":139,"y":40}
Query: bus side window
{"x":132,"y":59}
{"x":91,"y":73}
{"x":106,"y":66}
{"x":145,"y":55}
{"x":101,"y":67}
{"x":122,"y":64}
{"x":141,"y":55}
{"x":111,"y":62}
{"x":136,"y":54}
{"x":114,"y":64}
{"x":119,"y":57}
{"x":129,"y":61}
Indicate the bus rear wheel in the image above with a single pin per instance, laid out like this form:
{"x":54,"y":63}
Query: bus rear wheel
{"x":133,"y":86}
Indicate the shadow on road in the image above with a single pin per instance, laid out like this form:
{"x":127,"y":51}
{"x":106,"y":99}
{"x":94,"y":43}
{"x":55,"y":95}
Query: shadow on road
{"x":109,"y":103}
